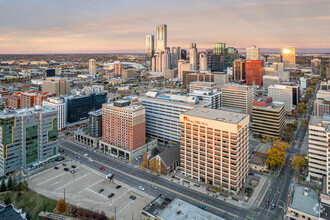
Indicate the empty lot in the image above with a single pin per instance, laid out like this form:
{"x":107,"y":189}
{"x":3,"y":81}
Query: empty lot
{"x":81,"y":189}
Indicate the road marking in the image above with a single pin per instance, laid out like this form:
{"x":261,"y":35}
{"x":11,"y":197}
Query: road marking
{"x":72,"y":181}
{"x":143,"y":180}
{"x":123,"y":209}
{"x":90,"y":186}
{"x":98,"y":194}
{"x":50,"y":179}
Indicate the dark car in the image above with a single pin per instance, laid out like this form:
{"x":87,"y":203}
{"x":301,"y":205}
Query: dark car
{"x":110,"y":195}
{"x":118,"y":186}
{"x":56,"y":168}
{"x":250,"y":173}
{"x":273,"y":206}
{"x":66,"y":169}
{"x":132,"y":197}
{"x":267,"y":202}
{"x":64,"y":164}
{"x":100,"y":190}
{"x":73,"y":166}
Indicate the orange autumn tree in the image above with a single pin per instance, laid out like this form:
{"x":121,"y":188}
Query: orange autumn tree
{"x":60,"y":207}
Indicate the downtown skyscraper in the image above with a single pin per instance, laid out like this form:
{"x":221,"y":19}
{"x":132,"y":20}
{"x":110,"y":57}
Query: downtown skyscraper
{"x":161,"y":38}
{"x":149,"y":46}
{"x":193,"y":56}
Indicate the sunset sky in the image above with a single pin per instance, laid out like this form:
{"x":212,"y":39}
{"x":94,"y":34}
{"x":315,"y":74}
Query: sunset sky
{"x":74,"y":26}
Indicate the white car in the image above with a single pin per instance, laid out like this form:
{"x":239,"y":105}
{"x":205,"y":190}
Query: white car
{"x":141,"y":188}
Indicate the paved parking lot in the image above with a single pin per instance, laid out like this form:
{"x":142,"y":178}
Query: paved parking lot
{"x":81,"y":189}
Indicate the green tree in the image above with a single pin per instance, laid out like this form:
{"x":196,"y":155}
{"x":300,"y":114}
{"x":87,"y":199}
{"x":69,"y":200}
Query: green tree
{"x":10,"y":185}
{"x":259,"y":136}
{"x":7,"y":200}
{"x":3,"y":186}
{"x":14,"y":184}
{"x":268,"y":138}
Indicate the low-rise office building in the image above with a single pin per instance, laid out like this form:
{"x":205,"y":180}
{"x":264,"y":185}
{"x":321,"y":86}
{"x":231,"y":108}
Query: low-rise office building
{"x":268,"y":117}
{"x":213,"y":97}
{"x":164,"y":208}
{"x":163,"y":114}
{"x":238,"y":97}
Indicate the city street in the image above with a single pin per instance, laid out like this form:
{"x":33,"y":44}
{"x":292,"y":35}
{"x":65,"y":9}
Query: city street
{"x":135,"y":177}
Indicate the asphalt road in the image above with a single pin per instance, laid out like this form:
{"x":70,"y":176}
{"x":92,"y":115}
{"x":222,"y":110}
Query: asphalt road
{"x":279,"y":189}
{"x":135,"y":178}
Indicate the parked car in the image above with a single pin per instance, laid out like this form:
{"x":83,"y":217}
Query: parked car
{"x":203,"y":207}
{"x":56,"y":168}
{"x":118,"y":186}
{"x":102,"y":168}
{"x":100,"y":190}
{"x":64,"y":164}
{"x":273,"y":206}
{"x":74,"y":170}
{"x":77,"y":157}
{"x":132,"y":197}
{"x":251,"y":173}
{"x":141,"y":188}
{"x":110,"y":195}
{"x":73,"y":166}
{"x":66,"y":169}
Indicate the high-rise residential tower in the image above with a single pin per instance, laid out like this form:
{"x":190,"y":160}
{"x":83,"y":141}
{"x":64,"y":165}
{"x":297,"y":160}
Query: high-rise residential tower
{"x":289,"y":57}
{"x":193,"y":56}
{"x":254,"y":72}
{"x":316,"y":66}
{"x":175,"y":56}
{"x":239,"y":70}
{"x":161,"y":38}
{"x":202,"y":62}
{"x":92,"y":67}
{"x":150,"y":47}
{"x":252,"y":53}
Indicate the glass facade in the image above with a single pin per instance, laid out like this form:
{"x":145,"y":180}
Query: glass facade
{"x":231,"y":54}
{"x":52,"y":135}
{"x":79,"y":107}
{"x":31,"y":144}
{"x":219,"y":48}
{"x":6,"y":126}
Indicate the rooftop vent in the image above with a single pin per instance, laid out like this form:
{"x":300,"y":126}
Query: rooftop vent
{"x":306,"y":191}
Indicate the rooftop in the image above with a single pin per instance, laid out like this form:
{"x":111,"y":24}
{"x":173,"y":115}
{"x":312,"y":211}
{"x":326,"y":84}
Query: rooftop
{"x":237,"y":85}
{"x":305,"y":200}
{"x":318,"y":121}
{"x":96,"y":113}
{"x":173,"y":99}
{"x":325,"y":211}
{"x":128,"y":107}
{"x":26,"y":111}
{"x":179,"y":209}
{"x":157,"y":205}
{"x":216,"y":114}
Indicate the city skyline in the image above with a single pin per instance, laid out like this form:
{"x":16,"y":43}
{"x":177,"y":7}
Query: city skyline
{"x":104,"y":26}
